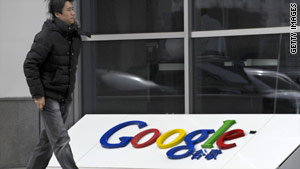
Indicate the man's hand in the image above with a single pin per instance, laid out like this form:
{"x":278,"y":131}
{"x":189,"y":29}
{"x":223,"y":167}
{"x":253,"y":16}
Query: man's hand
{"x":40,"y":102}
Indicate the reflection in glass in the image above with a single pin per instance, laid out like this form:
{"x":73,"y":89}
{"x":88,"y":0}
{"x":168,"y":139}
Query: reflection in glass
{"x":144,"y":76}
{"x":246,"y":74}
{"x":132,"y":16}
{"x":235,"y":14}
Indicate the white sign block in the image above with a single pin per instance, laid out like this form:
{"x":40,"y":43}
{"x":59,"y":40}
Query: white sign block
{"x":277,"y":136}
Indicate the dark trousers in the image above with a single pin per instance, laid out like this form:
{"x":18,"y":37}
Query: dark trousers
{"x":54,"y":138}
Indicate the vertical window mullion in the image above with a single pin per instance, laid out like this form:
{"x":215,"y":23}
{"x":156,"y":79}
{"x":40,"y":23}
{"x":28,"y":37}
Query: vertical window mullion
{"x":188,"y":76}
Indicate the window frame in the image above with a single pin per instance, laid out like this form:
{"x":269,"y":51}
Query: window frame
{"x":188,"y":35}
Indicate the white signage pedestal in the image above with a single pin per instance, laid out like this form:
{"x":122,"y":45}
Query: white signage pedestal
{"x":274,"y":145}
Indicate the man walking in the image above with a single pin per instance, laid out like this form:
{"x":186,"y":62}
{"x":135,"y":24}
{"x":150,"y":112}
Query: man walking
{"x":50,"y":68}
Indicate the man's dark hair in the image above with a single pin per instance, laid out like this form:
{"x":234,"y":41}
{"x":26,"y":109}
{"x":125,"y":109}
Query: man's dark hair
{"x":56,"y":6}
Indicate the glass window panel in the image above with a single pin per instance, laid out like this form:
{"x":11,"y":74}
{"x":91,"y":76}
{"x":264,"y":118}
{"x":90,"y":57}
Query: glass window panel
{"x":132,"y":16}
{"x":143,"y":76}
{"x":235,"y":14}
{"x":246,"y":74}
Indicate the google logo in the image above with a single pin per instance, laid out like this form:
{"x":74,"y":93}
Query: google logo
{"x":220,"y":136}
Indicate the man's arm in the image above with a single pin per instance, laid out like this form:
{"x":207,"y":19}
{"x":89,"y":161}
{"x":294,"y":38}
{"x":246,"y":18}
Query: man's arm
{"x":35,"y":58}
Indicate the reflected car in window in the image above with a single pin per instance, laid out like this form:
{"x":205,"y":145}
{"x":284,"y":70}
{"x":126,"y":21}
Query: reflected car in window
{"x":122,"y":83}
{"x":276,"y":87}
{"x":233,"y":88}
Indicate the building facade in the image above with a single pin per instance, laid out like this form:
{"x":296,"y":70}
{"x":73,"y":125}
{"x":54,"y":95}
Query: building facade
{"x":157,"y":57}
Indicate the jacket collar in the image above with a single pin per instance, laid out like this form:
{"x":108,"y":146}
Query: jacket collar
{"x":63,"y":28}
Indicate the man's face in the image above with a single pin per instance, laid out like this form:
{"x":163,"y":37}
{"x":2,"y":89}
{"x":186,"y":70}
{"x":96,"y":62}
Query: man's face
{"x":67,"y":13}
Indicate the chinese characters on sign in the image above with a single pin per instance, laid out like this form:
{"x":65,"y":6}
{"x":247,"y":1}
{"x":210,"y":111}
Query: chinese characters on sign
{"x":208,"y":156}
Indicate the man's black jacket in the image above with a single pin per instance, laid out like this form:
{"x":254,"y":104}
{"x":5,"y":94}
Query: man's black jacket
{"x":51,"y":64}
